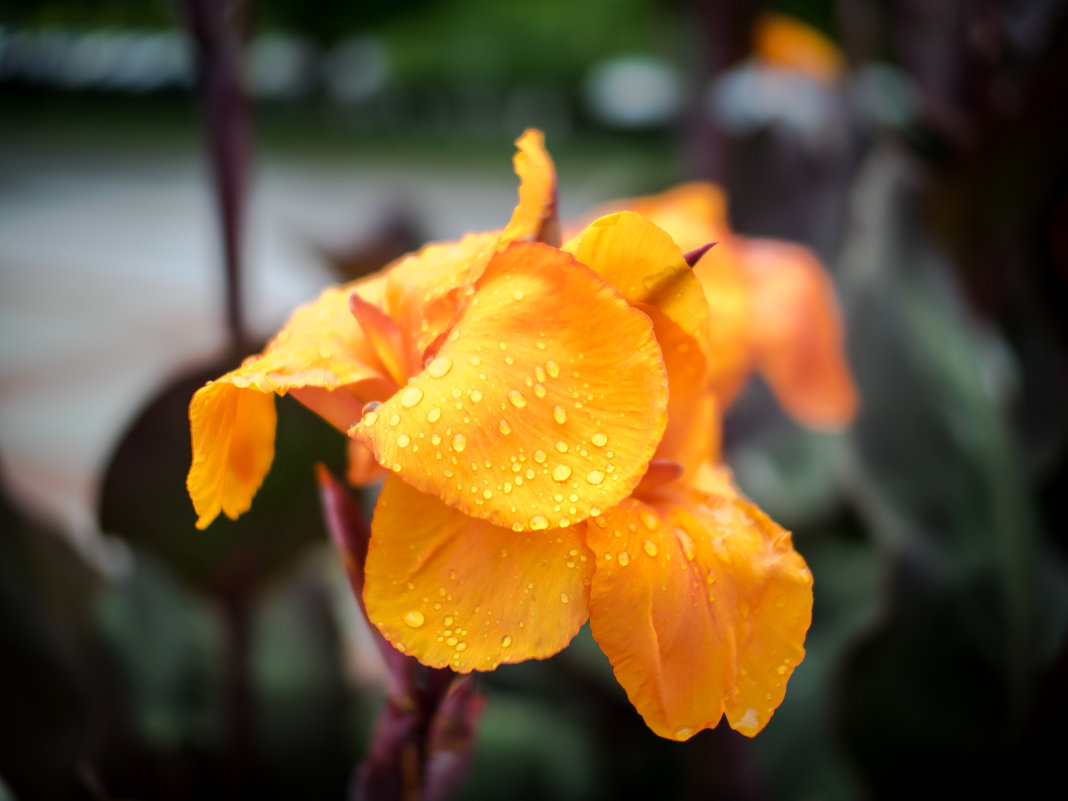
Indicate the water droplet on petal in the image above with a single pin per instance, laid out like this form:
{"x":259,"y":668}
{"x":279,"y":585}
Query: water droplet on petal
{"x":624,"y":558}
{"x":649,"y":521}
{"x":370,"y":418}
{"x":504,"y":426}
{"x":683,"y":732}
{"x":561,"y":472}
{"x":506,"y":641}
{"x":539,"y":456}
{"x":537,"y":523}
{"x":563,"y":598}
{"x":439,"y":367}
{"x":394,"y":419}
{"x":476,"y":396}
{"x":516,"y":399}
{"x":559,"y":415}
{"x":552,"y":368}
{"x":650,"y":548}
{"x":600,"y":439}
{"x":414,"y":619}
{"x":433,"y":415}
{"x":403,"y":440}
{"x":459,"y":442}
{"x":410,"y":397}
{"x":595,"y":477}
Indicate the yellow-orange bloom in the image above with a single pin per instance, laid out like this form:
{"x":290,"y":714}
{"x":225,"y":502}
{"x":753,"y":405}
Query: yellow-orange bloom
{"x":550,"y":430}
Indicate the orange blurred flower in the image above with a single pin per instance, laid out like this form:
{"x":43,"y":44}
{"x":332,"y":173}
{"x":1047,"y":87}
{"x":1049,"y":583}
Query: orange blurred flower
{"x":549,"y":421}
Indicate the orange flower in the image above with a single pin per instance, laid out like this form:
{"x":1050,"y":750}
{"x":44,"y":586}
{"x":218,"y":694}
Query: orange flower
{"x":548,"y":423}
{"x":354,"y":344}
{"x":773,"y":297}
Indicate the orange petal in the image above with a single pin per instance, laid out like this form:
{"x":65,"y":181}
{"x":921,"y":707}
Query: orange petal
{"x":321,"y":354}
{"x":545,"y":402}
{"x":789,"y":44}
{"x":424,"y":290}
{"x":692,"y":435}
{"x":797,"y":333}
{"x":692,"y":214}
{"x":536,"y":215}
{"x":461,"y":593}
{"x":701,"y":605}
{"x":362,"y":467}
{"x":233,"y":446}
{"x":726,"y":289}
{"x":646,"y":266}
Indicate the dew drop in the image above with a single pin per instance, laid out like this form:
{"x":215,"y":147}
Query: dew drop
{"x":595,"y":477}
{"x":649,"y":521}
{"x":487,"y":494}
{"x":404,"y":440}
{"x":459,"y":442}
{"x":414,"y":618}
{"x":504,"y":426}
{"x":650,"y":548}
{"x":461,"y":646}
{"x":539,"y":456}
{"x":507,"y":487}
{"x":529,"y":474}
{"x":563,"y":598}
{"x":517,"y":294}
{"x":551,"y":368}
{"x":433,"y":415}
{"x":539,"y":372}
{"x":561,"y":472}
{"x":475,"y":361}
{"x":394,"y":419}
{"x":624,"y":558}
{"x":370,"y":418}
{"x":559,"y":415}
{"x":539,"y":390}
{"x":476,"y":396}
{"x":439,"y":367}
{"x":516,"y":399}
{"x":506,"y":641}
{"x":411,"y":396}
{"x":600,"y":439}
{"x":683,"y":732}
{"x":537,"y":523}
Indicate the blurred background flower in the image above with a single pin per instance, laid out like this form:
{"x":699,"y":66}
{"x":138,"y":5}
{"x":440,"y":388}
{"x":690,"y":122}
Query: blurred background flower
{"x":918,"y":148}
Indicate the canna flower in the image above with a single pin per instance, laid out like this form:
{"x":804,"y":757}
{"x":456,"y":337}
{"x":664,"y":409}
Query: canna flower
{"x":548,"y":421}
{"x":772,"y":306}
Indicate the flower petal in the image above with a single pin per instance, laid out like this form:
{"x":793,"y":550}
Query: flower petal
{"x":797,"y":333}
{"x":233,"y":447}
{"x":726,"y":289}
{"x":692,"y":435}
{"x":536,"y":215}
{"x":701,"y":605}
{"x":461,"y":593}
{"x":646,"y":266}
{"x":545,"y":402}
{"x":322,"y":354}
{"x":424,"y":291}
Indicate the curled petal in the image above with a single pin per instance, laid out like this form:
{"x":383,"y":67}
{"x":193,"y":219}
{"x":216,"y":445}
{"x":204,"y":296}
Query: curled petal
{"x":544,"y":403}
{"x":797,"y":333}
{"x":232,"y":420}
{"x":233,"y":447}
{"x":458,"y":592}
{"x":701,"y":605}
{"x":536,"y":215}
{"x":647,"y":267}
